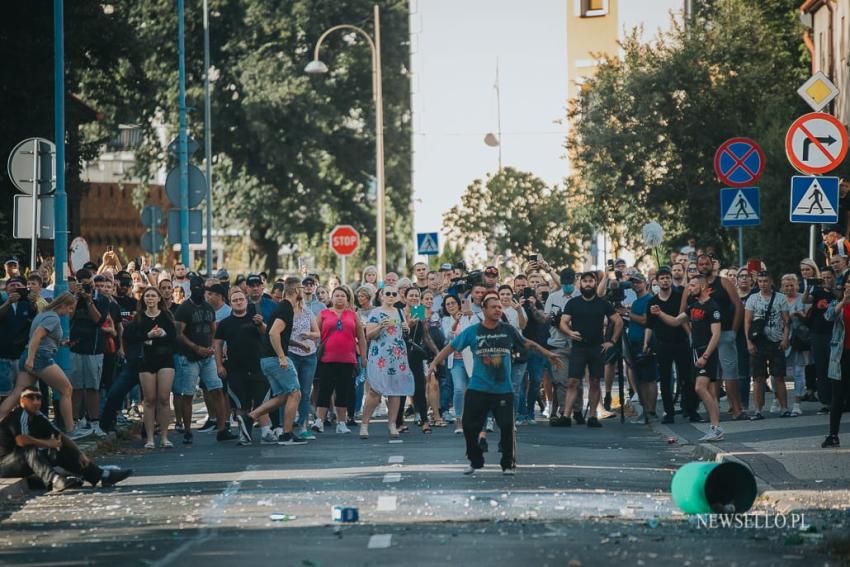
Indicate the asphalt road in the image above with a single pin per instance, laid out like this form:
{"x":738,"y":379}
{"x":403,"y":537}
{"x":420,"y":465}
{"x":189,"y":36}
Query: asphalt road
{"x":583,"y":495}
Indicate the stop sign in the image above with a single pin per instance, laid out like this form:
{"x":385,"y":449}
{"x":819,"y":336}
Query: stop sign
{"x":344,"y":240}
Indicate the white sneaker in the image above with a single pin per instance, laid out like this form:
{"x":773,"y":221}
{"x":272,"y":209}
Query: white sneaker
{"x":79,"y":431}
{"x":796,"y":411}
{"x":715,"y":433}
{"x":269,"y":438}
{"x":341,"y":427}
{"x":491,"y":425}
{"x":98,"y":431}
{"x":509,"y":472}
{"x":458,"y":430}
{"x":469,"y":469}
{"x":243,"y":441}
{"x":548,"y":411}
{"x":318,"y":426}
{"x":774,"y":407}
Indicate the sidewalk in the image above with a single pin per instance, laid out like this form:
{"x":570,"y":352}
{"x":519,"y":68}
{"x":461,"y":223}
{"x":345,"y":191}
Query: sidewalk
{"x":792,"y":470}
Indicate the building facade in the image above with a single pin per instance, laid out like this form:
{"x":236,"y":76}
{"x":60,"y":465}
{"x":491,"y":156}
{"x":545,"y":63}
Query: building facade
{"x":828,"y":39}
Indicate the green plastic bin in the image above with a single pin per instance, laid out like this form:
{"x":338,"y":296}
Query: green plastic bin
{"x":704,"y":488}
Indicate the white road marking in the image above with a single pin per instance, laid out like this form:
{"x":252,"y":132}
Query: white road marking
{"x":380,"y":541}
{"x":387,"y":503}
{"x":396,"y":460}
{"x":392,"y":477}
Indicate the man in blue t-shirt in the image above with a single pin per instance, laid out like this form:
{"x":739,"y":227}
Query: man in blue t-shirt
{"x":490,"y":388}
{"x":641,"y":361}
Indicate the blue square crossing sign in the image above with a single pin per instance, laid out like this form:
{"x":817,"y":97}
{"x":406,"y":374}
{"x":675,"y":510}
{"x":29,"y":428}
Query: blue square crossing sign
{"x":427,"y":243}
{"x":739,"y":206}
{"x":814,"y":199}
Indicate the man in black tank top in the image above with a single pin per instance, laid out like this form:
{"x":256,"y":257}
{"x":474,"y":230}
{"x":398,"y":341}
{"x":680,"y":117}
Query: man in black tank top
{"x":723,"y":293}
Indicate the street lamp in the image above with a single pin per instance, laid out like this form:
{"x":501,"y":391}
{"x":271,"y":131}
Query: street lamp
{"x":317,"y":67}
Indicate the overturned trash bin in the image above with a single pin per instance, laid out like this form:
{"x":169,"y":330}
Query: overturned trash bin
{"x":705,"y":488}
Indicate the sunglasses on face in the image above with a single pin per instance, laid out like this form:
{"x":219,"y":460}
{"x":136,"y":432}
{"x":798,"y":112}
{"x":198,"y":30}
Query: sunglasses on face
{"x":391,"y":294}
{"x":692,"y":269}
{"x":33,"y":396}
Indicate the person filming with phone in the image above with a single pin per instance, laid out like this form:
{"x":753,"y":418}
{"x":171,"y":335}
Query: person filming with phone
{"x":16,"y":314}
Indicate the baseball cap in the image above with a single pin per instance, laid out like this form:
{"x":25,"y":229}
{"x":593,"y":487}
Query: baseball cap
{"x":90,"y":266}
{"x":445,"y":267}
{"x":196,"y":282}
{"x":11,"y":260}
{"x":222,"y":275}
{"x":568,"y":276}
{"x":254,"y":279}
{"x":218,"y":288}
{"x":308,"y":281}
{"x":30,"y":391}
{"x":619,"y":261}
{"x":637,"y":276}
{"x":17,"y":279}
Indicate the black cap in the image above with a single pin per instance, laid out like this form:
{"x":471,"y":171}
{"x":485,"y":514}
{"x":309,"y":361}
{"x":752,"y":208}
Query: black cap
{"x":254,"y":279}
{"x":90,"y":266}
{"x":219,"y":289}
{"x":11,"y":260}
{"x":568,"y":276}
{"x":308,"y":280}
{"x":17,"y":279}
{"x":196,"y":282}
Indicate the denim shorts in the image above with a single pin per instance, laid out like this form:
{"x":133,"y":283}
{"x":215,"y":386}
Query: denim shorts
{"x":42,"y":360}
{"x":86,"y":370}
{"x":8,"y":375}
{"x":188,"y":372}
{"x":281,"y":380}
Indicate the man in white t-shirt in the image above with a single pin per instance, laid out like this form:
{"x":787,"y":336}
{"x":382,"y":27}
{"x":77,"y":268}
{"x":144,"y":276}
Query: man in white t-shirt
{"x":560,"y":345}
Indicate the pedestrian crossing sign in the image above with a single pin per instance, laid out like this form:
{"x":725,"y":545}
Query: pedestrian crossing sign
{"x":814,"y":199}
{"x":427,"y":243}
{"x":739,"y":206}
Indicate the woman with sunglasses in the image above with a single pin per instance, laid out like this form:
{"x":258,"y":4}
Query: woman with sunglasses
{"x":155,"y":327}
{"x":453,"y":323}
{"x":341,"y":335}
{"x":388,"y":370}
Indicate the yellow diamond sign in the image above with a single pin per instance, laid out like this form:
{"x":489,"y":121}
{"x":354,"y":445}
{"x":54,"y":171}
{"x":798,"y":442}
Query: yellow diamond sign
{"x":818,"y":91}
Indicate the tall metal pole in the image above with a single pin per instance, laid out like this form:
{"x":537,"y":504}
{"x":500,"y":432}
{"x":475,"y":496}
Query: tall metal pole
{"x":499,"y":113}
{"x":207,"y":134}
{"x":740,"y":246}
{"x":35,"y":215}
{"x":812,"y":237}
{"x":379,"y":150}
{"x":182,"y":151}
{"x":60,"y":199}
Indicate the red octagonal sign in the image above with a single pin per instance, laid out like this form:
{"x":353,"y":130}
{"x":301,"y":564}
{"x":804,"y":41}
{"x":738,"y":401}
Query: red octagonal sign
{"x":344,"y":240}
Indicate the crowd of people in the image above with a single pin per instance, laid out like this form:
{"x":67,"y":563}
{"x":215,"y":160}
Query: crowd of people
{"x":284,"y":361}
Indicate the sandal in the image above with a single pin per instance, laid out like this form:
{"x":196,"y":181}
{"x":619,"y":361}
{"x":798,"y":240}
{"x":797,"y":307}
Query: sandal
{"x":440,"y":423}
{"x":403,"y":429}
{"x":150,"y":445}
{"x":166,"y":444}
{"x":426,"y":429}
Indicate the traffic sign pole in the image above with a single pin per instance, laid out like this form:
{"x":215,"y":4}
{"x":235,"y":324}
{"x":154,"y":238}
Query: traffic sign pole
{"x":60,"y":211}
{"x":740,"y":246}
{"x":35,"y":224}
{"x":182,"y":151}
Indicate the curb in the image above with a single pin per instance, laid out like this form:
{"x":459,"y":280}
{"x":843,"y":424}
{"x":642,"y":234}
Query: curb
{"x":13,"y":489}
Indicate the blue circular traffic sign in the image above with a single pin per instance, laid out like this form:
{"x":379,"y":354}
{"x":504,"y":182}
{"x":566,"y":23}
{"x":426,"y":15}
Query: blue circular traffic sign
{"x":739,"y":162}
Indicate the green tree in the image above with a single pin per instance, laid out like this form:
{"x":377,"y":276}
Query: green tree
{"x":516,"y":211}
{"x":647,"y":126}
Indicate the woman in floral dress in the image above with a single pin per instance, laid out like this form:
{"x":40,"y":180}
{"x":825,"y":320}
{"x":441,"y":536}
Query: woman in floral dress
{"x":387,"y":370}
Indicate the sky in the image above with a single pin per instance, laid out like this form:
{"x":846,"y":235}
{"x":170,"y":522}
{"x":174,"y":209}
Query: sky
{"x":455,"y":46}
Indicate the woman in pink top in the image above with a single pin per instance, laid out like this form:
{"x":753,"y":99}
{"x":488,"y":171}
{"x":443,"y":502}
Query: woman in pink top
{"x":342,"y":336}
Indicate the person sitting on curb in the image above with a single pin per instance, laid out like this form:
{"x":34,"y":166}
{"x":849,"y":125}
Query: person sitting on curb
{"x":31,"y":445}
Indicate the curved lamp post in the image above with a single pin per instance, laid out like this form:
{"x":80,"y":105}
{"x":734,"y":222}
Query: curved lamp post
{"x":317,"y":67}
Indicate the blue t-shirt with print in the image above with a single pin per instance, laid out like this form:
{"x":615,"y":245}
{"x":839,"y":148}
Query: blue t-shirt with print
{"x":491,"y":351}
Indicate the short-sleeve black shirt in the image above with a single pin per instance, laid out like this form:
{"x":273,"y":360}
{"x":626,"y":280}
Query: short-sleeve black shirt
{"x":286,"y":313}
{"x":244,"y":342}
{"x":701,"y":316}
{"x":199,"y":320}
{"x":588,"y":318}
{"x":19,"y":422}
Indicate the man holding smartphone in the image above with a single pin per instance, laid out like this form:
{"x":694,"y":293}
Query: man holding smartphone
{"x":16,"y":315}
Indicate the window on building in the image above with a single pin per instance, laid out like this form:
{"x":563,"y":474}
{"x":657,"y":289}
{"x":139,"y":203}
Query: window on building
{"x":592,"y":8}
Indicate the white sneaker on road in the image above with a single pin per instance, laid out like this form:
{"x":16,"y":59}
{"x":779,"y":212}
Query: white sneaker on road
{"x":269,"y":438}
{"x":491,"y":425}
{"x":318,"y":426}
{"x":79,"y":431}
{"x":97,"y":430}
{"x":341,"y":427}
{"x":774,"y":407}
{"x":458,"y":430}
{"x":796,"y":411}
{"x":469,"y":469}
{"x":715,"y":433}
